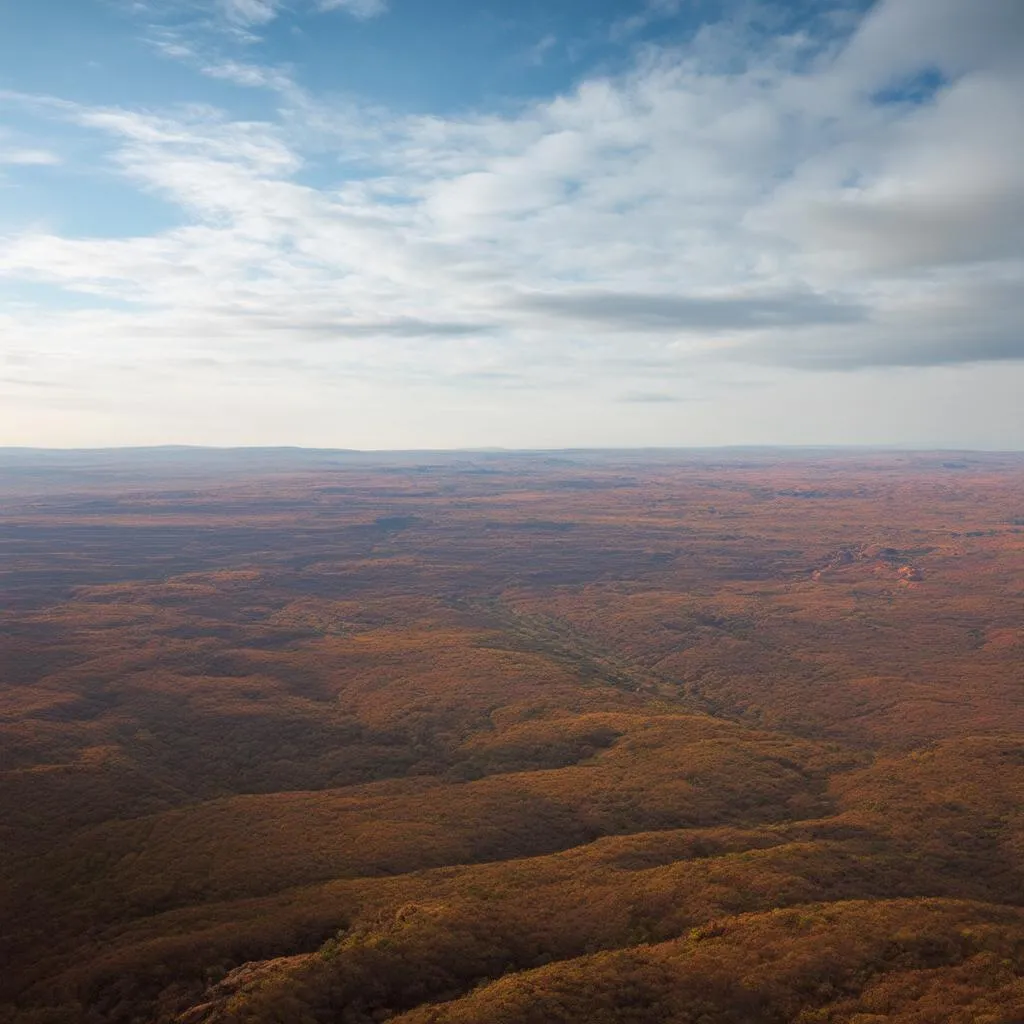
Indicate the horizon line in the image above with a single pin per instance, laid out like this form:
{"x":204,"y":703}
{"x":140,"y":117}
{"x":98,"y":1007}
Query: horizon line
{"x":501,"y":450}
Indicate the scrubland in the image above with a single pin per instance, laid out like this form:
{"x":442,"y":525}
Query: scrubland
{"x":512,"y":738}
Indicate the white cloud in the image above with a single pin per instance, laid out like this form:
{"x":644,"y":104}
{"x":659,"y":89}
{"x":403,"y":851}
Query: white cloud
{"x":15,"y":153}
{"x":639,"y":233}
{"x":250,"y":12}
{"x":253,"y":76}
{"x":175,"y":25}
{"x":29,"y":157}
{"x":357,"y":8}
{"x":254,"y":13}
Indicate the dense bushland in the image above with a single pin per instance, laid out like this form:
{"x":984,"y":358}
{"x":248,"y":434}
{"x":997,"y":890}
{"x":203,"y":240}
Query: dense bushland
{"x":580,"y":738}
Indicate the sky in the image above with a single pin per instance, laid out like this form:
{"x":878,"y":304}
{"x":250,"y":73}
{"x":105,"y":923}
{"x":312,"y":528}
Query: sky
{"x":512,"y":223}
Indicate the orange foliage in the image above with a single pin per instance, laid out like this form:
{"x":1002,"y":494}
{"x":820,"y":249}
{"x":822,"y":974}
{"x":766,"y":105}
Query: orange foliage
{"x":583,"y":737}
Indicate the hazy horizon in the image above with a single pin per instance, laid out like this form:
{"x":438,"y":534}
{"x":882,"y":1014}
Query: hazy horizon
{"x":500,"y":450}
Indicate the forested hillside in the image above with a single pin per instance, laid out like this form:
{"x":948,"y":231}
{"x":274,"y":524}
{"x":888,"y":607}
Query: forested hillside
{"x":512,"y":738}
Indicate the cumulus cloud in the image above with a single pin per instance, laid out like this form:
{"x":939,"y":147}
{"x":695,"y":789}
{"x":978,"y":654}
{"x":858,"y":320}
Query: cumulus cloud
{"x":802,"y":205}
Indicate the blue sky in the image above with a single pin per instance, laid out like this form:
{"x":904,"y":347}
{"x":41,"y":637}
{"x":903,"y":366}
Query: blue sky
{"x":393,"y":223}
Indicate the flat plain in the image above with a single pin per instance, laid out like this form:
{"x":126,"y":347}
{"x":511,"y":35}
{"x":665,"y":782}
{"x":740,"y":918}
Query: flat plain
{"x":703,"y":737}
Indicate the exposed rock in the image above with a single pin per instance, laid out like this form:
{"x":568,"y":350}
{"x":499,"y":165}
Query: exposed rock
{"x":241,"y":979}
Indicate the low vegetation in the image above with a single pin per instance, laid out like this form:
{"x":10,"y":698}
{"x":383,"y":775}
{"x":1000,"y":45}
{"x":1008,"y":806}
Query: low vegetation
{"x":585,"y":738}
